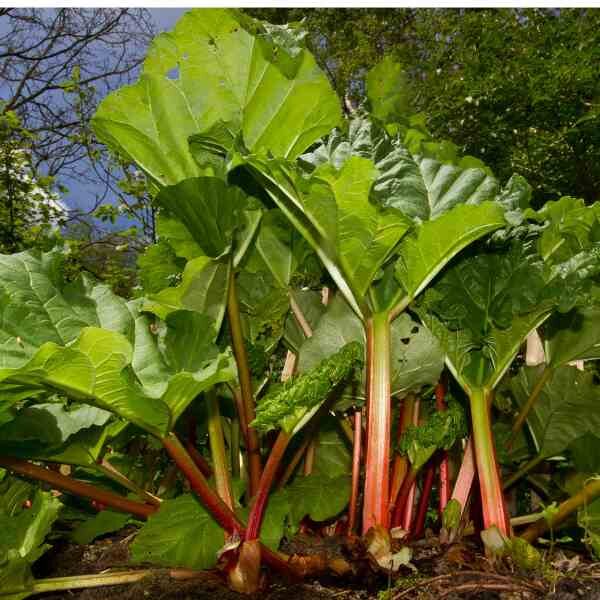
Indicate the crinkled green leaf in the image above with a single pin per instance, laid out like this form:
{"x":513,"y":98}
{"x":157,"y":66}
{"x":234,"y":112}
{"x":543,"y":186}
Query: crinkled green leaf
{"x":216,"y":66}
{"x":177,"y":236}
{"x":566,"y":409}
{"x":333,"y":455}
{"x":420,"y":186}
{"x":439,"y":432}
{"x":289,"y":405}
{"x":180,"y":534}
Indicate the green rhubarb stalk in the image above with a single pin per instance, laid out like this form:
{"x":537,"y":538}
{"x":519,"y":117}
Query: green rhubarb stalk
{"x":217,"y":449}
{"x":526,"y":408}
{"x":376,"y":496}
{"x":528,"y":466}
{"x":115,"y":475}
{"x":587,"y":494}
{"x":79,"y":582}
{"x":492,"y":499}
{"x":241,"y":359}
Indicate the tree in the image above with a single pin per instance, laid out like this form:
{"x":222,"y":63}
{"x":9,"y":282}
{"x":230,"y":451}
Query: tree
{"x":518,"y":88}
{"x":31,"y":212}
{"x":55,"y":65}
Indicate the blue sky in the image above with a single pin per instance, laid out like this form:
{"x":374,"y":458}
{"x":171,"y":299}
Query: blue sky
{"x":82,"y":195}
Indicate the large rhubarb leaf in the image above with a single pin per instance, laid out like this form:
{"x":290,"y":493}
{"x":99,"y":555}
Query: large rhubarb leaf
{"x":566,"y":409}
{"x":43,"y":429}
{"x":426,"y":250}
{"x":93,"y":370}
{"x":218,"y":66}
{"x":177,"y":360}
{"x":180,"y":534}
{"x":332,"y":209}
{"x":483,"y":306}
{"x":23,"y":535}
{"x":421,"y":187}
{"x":36,"y":306}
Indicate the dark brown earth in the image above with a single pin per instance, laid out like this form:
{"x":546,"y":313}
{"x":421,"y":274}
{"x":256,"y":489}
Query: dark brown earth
{"x":456,"y":573}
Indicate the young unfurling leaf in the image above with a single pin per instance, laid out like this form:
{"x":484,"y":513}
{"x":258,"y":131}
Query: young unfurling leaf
{"x":290,"y":405}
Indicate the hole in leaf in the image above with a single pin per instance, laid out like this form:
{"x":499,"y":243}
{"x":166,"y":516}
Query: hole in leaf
{"x":173,"y":73}
{"x":415,"y":329}
{"x":405,"y":340}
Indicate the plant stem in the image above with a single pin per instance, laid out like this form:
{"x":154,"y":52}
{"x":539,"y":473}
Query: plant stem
{"x":587,"y":494}
{"x":266,"y":480}
{"x":112,"y":473}
{"x":492,"y":499}
{"x":404,"y":494}
{"x":199,"y":460}
{"x":528,"y":466}
{"x":444,"y":488}
{"x":234,"y":447}
{"x":241,"y":359}
{"x":225,"y":517}
{"x":376,"y":496}
{"x":526,"y":408}
{"x":465,"y":477}
{"x":400,"y":467}
{"x":217,"y":449}
{"x":309,"y":457}
{"x":78,"y":582}
{"x":419,"y":527}
{"x":213,"y":503}
{"x":356,"y":451}
{"x":79,"y":488}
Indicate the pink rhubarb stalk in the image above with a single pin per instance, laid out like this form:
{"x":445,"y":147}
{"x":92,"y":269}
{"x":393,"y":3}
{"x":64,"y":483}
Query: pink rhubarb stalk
{"x":376,"y":496}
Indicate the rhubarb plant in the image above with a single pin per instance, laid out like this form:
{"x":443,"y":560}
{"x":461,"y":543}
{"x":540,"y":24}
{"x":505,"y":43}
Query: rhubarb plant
{"x":481,"y":309}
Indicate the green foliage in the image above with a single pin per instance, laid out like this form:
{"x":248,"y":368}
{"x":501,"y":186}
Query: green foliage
{"x":439,"y":432}
{"x":106,"y":521}
{"x":565,"y":410}
{"x":23,"y":534}
{"x":275,"y":97}
{"x":289,"y":406}
{"x":180,"y":534}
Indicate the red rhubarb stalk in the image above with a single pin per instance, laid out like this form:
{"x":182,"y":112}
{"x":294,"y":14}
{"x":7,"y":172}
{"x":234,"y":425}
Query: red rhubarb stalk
{"x":79,"y":488}
{"x":419,"y":527}
{"x":444,"y":487}
{"x":376,"y":496}
{"x":356,"y":450}
{"x":404,"y":497}
{"x":266,"y":481}
{"x":215,"y":506}
{"x":466,"y":475}
{"x":492,"y":499}
{"x":400,"y":467}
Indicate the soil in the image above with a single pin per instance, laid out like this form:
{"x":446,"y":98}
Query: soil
{"x":456,"y":573}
